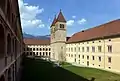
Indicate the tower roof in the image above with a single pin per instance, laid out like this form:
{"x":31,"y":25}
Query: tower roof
{"x":54,"y":21}
{"x":60,"y":17}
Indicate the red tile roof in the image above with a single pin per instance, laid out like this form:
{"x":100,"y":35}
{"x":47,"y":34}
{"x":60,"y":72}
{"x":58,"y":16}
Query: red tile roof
{"x":29,"y":41}
{"x":109,"y":29}
{"x":60,"y":17}
{"x":54,"y":21}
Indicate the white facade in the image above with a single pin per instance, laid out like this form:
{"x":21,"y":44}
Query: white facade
{"x":38,"y":50}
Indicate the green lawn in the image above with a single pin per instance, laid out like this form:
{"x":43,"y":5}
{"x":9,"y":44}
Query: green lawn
{"x":40,"y":70}
{"x":99,"y":75}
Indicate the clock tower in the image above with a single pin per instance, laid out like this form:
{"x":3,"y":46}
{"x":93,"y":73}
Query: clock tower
{"x":58,"y":38}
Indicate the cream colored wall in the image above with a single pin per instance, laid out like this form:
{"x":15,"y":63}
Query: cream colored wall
{"x":104,"y":54}
{"x":42,"y":51}
{"x":58,"y":41}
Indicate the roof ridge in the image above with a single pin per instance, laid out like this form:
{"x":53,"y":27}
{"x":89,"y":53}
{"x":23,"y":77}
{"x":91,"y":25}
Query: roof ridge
{"x":100,"y":25}
{"x":60,"y":17}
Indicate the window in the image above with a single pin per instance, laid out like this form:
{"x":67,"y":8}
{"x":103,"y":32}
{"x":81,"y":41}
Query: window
{"x":93,"y":49}
{"x":43,"y":49}
{"x":61,"y":25}
{"x":24,"y":49}
{"x":33,"y":49}
{"x":31,"y":53}
{"x":79,"y":49}
{"x":83,"y":56}
{"x":75,"y":55}
{"x":87,"y":49}
{"x":46,"y":54}
{"x":99,"y":58}
{"x":79,"y":56}
{"x":75,"y":49}
{"x":30,"y":49}
{"x":40,"y":53}
{"x":43,"y":53}
{"x":37,"y":49}
{"x":49,"y":49}
{"x":87,"y":57}
{"x":93,"y":57}
{"x":27,"y":49}
{"x":36,"y":53}
{"x":109,"y":59}
{"x":83,"y":49}
{"x":99,"y":48}
{"x":49,"y":53}
{"x":40,"y":49}
{"x":71,"y":49}
{"x":110,"y":48}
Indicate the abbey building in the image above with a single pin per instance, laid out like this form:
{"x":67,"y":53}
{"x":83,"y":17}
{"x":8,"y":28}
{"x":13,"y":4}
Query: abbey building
{"x":97,"y":47}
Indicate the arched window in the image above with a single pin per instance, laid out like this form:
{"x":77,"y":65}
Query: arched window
{"x":46,"y":53}
{"x":43,"y":49}
{"x":2,"y":78}
{"x":40,"y":49}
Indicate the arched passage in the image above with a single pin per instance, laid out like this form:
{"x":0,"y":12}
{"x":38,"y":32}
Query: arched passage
{"x":2,"y":4}
{"x":2,"y":78}
{"x":2,"y":42}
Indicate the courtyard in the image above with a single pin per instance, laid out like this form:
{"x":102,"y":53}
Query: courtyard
{"x":41,"y":70}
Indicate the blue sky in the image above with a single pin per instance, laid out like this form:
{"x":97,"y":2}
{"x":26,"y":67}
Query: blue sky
{"x":37,"y":15}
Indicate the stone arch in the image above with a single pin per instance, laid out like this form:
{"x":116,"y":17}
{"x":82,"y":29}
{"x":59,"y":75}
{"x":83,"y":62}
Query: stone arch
{"x":2,"y":41}
{"x":2,"y":78}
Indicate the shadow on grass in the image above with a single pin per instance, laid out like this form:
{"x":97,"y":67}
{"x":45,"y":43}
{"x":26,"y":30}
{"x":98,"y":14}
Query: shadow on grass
{"x":40,"y":70}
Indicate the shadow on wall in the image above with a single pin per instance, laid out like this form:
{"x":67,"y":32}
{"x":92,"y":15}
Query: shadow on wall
{"x":40,"y":70}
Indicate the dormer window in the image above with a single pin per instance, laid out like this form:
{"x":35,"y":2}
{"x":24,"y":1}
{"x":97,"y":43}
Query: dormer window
{"x":61,"y":25}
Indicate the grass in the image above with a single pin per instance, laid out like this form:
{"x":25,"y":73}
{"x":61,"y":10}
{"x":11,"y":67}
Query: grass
{"x":99,"y":75}
{"x":40,"y":70}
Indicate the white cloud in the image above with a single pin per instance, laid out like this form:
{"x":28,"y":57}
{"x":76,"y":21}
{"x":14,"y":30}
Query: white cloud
{"x":70,"y":22}
{"x":74,"y":17}
{"x":82,"y":21}
{"x":29,"y":14}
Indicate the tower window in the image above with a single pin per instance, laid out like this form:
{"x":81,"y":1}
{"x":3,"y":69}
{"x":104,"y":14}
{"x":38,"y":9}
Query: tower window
{"x":61,"y":25}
